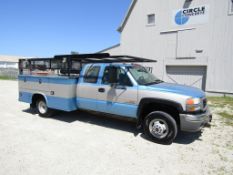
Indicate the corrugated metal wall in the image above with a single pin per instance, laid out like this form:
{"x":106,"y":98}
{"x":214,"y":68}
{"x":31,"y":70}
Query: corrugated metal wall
{"x":9,"y":72}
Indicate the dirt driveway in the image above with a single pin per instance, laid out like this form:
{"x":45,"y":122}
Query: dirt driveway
{"x":81,"y":143}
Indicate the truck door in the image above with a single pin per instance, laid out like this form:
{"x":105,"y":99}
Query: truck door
{"x":87,"y":88}
{"x":120,"y":99}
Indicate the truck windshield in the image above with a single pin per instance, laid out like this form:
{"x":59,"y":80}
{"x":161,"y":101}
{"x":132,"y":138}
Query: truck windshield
{"x":142,"y":75}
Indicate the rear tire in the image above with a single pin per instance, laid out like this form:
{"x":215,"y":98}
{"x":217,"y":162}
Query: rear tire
{"x":160,"y":127}
{"x":42,"y":108}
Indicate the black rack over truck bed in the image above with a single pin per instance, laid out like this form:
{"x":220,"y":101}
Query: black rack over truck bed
{"x":68,"y":60}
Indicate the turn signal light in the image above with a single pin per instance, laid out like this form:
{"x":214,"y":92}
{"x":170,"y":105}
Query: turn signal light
{"x":190,"y":102}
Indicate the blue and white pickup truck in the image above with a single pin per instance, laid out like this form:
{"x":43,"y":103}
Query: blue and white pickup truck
{"x":116,"y":86}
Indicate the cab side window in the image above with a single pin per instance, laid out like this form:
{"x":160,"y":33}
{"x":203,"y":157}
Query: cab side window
{"x":122,"y":77}
{"x":91,"y":74}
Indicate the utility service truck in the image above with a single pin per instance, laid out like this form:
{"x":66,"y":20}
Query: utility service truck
{"x":115,"y":85}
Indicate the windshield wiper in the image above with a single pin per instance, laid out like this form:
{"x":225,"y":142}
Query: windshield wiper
{"x":154,"y":82}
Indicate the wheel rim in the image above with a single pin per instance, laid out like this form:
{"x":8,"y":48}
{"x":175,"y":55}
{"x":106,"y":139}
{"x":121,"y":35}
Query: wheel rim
{"x":42,"y":107}
{"x":158,"y":128}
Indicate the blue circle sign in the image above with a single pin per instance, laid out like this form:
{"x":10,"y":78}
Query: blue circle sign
{"x":180,"y":18}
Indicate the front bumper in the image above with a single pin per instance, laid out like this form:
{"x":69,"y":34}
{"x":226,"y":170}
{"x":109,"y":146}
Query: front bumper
{"x":194,"y":122}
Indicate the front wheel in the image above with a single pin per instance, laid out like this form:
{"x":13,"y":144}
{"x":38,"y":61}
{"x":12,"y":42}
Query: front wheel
{"x":160,"y":127}
{"x":43,"y":109}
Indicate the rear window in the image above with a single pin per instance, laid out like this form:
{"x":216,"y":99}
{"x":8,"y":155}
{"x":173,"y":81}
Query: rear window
{"x":91,"y":74}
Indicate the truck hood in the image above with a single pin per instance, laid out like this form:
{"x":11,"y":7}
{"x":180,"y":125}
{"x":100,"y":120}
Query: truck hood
{"x":178,"y":89}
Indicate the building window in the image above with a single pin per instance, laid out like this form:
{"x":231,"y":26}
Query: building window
{"x":151,"y":19}
{"x":230,"y":12}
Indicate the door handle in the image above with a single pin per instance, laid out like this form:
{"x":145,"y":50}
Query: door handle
{"x":101,"y":90}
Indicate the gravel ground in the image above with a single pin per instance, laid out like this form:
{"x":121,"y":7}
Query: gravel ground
{"x":82,"y":143}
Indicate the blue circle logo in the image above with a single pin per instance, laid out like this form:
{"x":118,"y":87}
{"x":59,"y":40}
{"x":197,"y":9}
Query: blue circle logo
{"x":180,"y":18}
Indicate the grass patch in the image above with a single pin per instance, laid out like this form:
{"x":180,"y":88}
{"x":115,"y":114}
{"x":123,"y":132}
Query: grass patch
{"x":226,"y":115}
{"x":228,"y":118}
{"x":229,"y":145}
{"x":7,"y":78}
{"x":229,"y":123}
{"x":221,"y":101}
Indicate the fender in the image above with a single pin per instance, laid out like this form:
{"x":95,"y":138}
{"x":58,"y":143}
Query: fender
{"x":146,"y":101}
{"x":42,"y":94}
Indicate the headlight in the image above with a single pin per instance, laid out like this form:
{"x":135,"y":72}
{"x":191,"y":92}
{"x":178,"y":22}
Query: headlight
{"x":193,"y":104}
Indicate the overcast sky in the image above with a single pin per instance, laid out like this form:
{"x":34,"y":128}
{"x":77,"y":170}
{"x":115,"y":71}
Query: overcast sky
{"x":49,"y":27}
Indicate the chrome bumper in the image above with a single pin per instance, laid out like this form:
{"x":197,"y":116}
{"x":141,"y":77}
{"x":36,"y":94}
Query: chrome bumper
{"x":194,"y":122}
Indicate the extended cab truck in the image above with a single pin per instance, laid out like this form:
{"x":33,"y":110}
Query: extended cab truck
{"x":105,"y":84}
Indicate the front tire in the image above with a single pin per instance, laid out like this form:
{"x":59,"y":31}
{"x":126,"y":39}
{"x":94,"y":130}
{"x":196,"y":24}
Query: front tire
{"x":160,"y":127}
{"x":42,"y":108}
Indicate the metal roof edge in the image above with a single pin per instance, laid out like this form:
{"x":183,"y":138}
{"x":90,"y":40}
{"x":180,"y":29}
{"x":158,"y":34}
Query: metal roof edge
{"x":9,"y":58}
{"x":111,"y":47}
{"x":120,"y":29}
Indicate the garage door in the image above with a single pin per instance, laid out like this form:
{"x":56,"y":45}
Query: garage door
{"x":188,"y":75}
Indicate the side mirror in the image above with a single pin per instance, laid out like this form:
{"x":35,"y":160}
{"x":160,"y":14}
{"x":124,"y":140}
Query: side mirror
{"x":112,"y":75}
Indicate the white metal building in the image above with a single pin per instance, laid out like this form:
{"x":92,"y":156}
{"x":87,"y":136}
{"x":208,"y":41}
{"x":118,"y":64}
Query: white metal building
{"x":191,"y":39}
{"x":9,"y":66}
{"x":8,"y":61}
